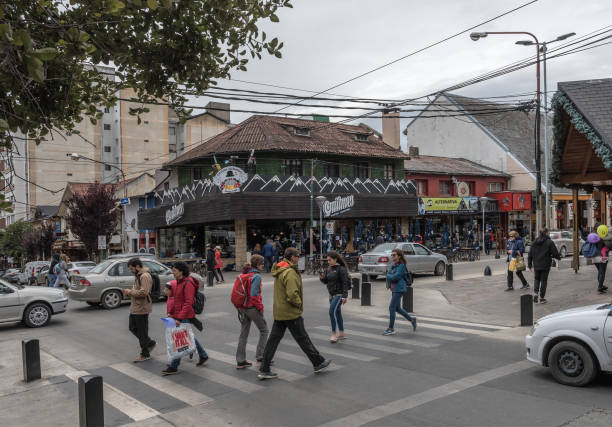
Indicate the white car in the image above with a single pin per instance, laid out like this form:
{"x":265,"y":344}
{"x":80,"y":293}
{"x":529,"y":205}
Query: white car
{"x":575,"y":344}
{"x":31,"y":305}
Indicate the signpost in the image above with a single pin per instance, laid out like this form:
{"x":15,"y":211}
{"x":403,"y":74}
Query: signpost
{"x":125,"y":201}
{"x":101,"y":245}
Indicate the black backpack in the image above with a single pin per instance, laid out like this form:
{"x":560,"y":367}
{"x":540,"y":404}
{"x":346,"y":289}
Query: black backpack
{"x":156,"y":287}
{"x":198,"y":301}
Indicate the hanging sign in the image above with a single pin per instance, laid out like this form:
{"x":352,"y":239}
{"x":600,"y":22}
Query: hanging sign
{"x":230,"y":179}
{"x":338,"y":206}
{"x":463,"y":189}
{"x":329,"y":226}
{"x":175,"y":213}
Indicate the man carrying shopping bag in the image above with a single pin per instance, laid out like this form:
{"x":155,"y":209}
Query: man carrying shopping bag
{"x":183,"y":295}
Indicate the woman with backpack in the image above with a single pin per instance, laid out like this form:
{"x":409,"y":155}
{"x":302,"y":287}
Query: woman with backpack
{"x":338,"y":282}
{"x":398,"y":279}
{"x":515,"y":249}
{"x":250,"y":309}
{"x":595,"y":251}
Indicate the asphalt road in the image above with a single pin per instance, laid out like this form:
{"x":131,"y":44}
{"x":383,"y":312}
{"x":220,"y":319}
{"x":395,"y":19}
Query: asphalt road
{"x":447,"y":373}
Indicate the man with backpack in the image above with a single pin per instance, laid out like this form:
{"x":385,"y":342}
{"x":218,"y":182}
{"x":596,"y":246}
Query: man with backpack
{"x":187,"y":302}
{"x":140,"y":307}
{"x":288,"y":308}
{"x":247,"y":298}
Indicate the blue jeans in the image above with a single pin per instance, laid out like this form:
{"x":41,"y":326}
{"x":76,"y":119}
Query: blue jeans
{"x":52,"y":279}
{"x":335,"y":313}
{"x":396,"y":306}
{"x":201,"y":352}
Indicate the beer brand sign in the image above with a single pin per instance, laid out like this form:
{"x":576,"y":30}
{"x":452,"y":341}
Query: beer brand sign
{"x":338,"y":206}
{"x":230,"y":179}
{"x":175,"y":213}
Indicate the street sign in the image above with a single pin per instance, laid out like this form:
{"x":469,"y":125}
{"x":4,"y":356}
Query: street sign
{"x":125,"y":201}
{"x":101,"y":242}
{"x":329,"y":226}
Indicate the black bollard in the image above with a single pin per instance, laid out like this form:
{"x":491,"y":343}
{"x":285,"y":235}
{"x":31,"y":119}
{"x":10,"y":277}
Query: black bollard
{"x":487,"y":271}
{"x":30,"y":354}
{"x":365,"y":278}
{"x":91,"y":401}
{"x":355,"y":287}
{"x":366,"y":293}
{"x":449,"y":272}
{"x":497,"y":256}
{"x":407,"y":300}
{"x":526,"y":310}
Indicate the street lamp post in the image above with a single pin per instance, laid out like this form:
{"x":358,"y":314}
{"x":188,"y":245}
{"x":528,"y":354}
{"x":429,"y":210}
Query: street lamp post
{"x":543,"y":49}
{"x":76,"y":157}
{"x":480,"y":35}
{"x":483,"y":202}
{"x":320,"y":201}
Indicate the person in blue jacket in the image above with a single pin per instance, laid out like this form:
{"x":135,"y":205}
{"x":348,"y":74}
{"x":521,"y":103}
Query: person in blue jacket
{"x":515,"y":248}
{"x":397,"y":281}
{"x":268,"y":254}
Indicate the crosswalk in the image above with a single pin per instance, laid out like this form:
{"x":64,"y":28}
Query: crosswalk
{"x":137,"y":392}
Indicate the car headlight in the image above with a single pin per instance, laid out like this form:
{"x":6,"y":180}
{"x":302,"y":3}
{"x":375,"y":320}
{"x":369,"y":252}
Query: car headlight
{"x":535,"y":326}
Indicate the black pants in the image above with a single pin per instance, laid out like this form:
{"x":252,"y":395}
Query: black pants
{"x":139,"y":326}
{"x":519,"y":274}
{"x":601,"y":273}
{"x":296,"y":327}
{"x":211,"y":276}
{"x":219,"y":275}
{"x":540,"y":281}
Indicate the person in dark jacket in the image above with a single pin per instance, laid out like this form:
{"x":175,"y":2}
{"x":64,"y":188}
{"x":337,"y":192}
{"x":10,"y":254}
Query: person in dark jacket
{"x":181,"y":310}
{"x":515,"y":249}
{"x":211,"y":262}
{"x":268,"y":254}
{"x":543,"y":250}
{"x":337,"y":280}
{"x":397,"y":281}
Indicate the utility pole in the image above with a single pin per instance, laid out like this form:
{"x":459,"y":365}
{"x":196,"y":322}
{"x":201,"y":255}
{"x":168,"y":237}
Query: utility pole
{"x":311,"y":202}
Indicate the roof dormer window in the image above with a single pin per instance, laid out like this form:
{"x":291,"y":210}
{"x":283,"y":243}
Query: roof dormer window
{"x":362,"y":137}
{"x":302,"y":131}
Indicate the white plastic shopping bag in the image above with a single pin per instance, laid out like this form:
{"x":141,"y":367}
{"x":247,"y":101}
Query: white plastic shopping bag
{"x":180,"y":341}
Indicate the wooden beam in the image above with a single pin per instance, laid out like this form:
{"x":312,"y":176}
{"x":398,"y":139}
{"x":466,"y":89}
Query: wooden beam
{"x":587,"y":160}
{"x":603,"y":207}
{"x":589,"y":178}
{"x":575,"y":253}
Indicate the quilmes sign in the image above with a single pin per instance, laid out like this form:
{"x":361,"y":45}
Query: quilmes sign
{"x":338,"y":206}
{"x":175,"y":213}
{"x":230,"y":179}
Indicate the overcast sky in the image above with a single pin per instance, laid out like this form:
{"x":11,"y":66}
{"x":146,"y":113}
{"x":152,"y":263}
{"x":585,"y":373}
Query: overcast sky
{"x":329,"y":41}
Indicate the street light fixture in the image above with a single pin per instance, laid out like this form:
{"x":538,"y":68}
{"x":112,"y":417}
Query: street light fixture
{"x":477,"y":36}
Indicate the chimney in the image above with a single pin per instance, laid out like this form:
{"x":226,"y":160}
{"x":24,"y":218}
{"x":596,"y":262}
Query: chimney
{"x":413,"y":152}
{"x":391,"y":129}
{"x":219,"y":109}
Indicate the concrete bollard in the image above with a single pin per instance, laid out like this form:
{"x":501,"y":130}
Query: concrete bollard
{"x":366,"y":293}
{"x":408,"y":300}
{"x":30,"y":354}
{"x":355,"y":294}
{"x":526,"y":310}
{"x":487,"y":271}
{"x":91,"y":401}
{"x":449,"y":272}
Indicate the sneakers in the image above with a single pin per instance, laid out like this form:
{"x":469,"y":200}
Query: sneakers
{"x":151,"y":346}
{"x":323,"y":366}
{"x":260,"y":361}
{"x":242,"y":365}
{"x":266,"y":376}
{"x":333,"y":339}
{"x":389,"y":332}
{"x":543,"y":301}
{"x":602,"y":290}
{"x":414,"y":323}
{"x":535,"y":299}
{"x":169,"y":371}
{"x":526,"y":286}
{"x":202,"y":361}
{"x":509,"y":289}
{"x":141,"y":358}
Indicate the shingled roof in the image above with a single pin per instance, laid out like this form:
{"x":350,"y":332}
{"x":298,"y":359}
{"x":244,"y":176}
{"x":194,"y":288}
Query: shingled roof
{"x":448,"y":166}
{"x":277,"y":134}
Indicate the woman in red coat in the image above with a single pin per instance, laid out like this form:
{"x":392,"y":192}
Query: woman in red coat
{"x":218,"y":265}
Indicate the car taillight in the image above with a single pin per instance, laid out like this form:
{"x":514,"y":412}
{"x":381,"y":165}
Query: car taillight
{"x":360,"y":258}
{"x":75,"y":271}
{"x":383,"y":259}
{"x":84,"y":282}
{"x":11,"y":274}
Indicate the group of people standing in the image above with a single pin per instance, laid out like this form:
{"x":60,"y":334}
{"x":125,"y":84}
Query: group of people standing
{"x":58,"y":271}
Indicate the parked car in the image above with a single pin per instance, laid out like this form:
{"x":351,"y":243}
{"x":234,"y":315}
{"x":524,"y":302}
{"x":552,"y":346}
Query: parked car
{"x":564,"y":241}
{"x":104,"y":284}
{"x":12,"y":275}
{"x":33,"y":306}
{"x":30,"y":271}
{"x":575,"y":344}
{"x":420,"y":259}
{"x":133,"y":255}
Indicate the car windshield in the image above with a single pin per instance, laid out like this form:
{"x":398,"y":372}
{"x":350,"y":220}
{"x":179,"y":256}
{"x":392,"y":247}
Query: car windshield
{"x":385,"y":247}
{"x":101,"y":267}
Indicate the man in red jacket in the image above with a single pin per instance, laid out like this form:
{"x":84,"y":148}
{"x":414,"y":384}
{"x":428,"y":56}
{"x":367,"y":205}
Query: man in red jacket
{"x":181,"y":310}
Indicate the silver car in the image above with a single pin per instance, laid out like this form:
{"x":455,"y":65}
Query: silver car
{"x":34,"y":306}
{"x":105,"y":283}
{"x":420,"y":259}
{"x":564,"y":241}
{"x":76,"y":267}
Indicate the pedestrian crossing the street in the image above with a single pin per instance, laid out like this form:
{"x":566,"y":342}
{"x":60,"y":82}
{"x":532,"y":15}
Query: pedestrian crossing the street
{"x":137,"y":392}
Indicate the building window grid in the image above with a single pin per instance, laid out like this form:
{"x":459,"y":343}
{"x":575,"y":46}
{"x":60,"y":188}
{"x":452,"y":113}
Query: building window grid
{"x":362,"y":170}
{"x":421,"y":187}
{"x":293,"y":167}
{"x":446,"y":188}
{"x":389,"y":171}
{"x":107,"y":126}
{"x":495,"y":186}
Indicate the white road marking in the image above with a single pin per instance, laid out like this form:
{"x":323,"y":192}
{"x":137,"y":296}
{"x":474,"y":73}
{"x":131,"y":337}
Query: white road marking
{"x":218,"y":377}
{"x":378,"y":412}
{"x":380,"y":337}
{"x":179,"y":392}
{"x":433,"y":326}
{"x":231,"y":359}
{"x":464,"y":323}
{"x":334,"y":349}
{"x":385,"y":349}
{"x":216,"y":314}
{"x":419,"y":333}
{"x":131,"y":407}
{"x":300,"y":359}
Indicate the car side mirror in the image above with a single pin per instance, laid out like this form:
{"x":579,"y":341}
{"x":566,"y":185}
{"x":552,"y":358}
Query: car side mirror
{"x":7,"y":290}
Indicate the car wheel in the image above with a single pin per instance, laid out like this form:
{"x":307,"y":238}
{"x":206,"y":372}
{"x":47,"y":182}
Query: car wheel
{"x":37,"y":315}
{"x":563,"y":252}
{"x":111,"y":299}
{"x":440,"y":268}
{"x":572,"y":364}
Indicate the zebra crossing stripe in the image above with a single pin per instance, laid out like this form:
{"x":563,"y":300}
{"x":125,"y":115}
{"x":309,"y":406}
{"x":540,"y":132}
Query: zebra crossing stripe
{"x":379,"y":337}
{"x":185,"y":394}
{"x":230,"y":359}
{"x":464,"y":323}
{"x":123,"y":402}
{"x":433,"y":326}
{"x":368,"y":345}
{"x":333,"y":349}
{"x":296,"y":358}
{"x":444,"y":337}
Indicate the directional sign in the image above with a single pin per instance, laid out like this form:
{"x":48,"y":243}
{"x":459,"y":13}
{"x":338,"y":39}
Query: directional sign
{"x":101,"y":242}
{"x":125,"y":201}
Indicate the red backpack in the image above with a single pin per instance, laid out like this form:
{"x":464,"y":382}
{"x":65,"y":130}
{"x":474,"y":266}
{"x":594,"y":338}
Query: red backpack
{"x":242,"y":290}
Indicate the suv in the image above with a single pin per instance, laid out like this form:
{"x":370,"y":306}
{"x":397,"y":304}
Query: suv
{"x":420,"y":259}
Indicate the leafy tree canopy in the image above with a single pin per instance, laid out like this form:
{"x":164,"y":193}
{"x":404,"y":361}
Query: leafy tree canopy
{"x":11,"y":243}
{"x":160,"y":48}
